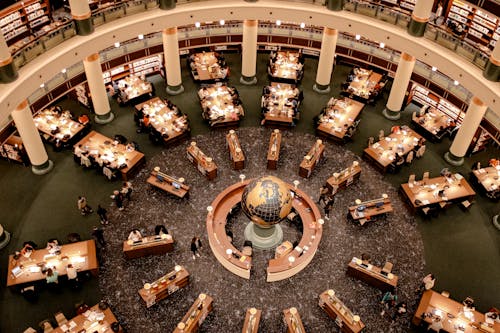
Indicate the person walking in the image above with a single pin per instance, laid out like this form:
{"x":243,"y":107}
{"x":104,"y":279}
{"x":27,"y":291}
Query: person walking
{"x":323,"y":194}
{"x":98,"y":235}
{"x":82,"y":205}
{"x":328,"y":206}
{"x":194,"y":247}
{"x":127,"y":190}
{"x":118,"y":198}
{"x":388,"y":301}
{"x":101,"y":211}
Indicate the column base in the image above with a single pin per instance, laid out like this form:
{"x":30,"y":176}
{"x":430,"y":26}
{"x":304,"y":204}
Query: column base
{"x":321,"y":89}
{"x":335,"y":5}
{"x":391,"y":115}
{"x":453,"y":160}
{"x":248,"y":80}
{"x":84,"y":27}
{"x":492,"y":71}
{"x":4,"y":239}
{"x":175,"y":90}
{"x":43,"y":168}
{"x":167,"y":4}
{"x":264,"y":238}
{"x":416,"y":28}
{"x":103,"y":119}
{"x":8,"y":73}
{"x":496,"y":222}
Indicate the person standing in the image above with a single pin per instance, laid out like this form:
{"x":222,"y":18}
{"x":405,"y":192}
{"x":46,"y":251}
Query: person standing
{"x":98,"y":235}
{"x":127,"y":190}
{"x":82,"y":205}
{"x":328,"y":206}
{"x":427,"y":282}
{"x":323,"y":194}
{"x":118,"y":198}
{"x":72,"y":275}
{"x":194,"y":247}
{"x":388,"y":301}
{"x":102,"y":214}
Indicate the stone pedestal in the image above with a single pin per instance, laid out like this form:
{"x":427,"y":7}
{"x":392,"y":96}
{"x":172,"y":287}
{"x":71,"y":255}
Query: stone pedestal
{"x":264,"y":238}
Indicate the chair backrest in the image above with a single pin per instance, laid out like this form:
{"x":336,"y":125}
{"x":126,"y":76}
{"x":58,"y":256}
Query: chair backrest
{"x":30,"y":330}
{"x":107,"y":172}
{"x":426,"y":175}
{"x":445,"y":293}
{"x":421,"y":151}
{"x":411,"y":179}
{"x":60,"y":318}
{"x":387,"y":267}
{"x":409,"y":157}
{"x":84,"y":160}
{"x":381,"y":134}
{"x":371,"y":140}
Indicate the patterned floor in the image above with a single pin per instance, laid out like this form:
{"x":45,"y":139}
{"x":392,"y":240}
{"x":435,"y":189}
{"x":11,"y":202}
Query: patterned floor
{"x":394,"y":239}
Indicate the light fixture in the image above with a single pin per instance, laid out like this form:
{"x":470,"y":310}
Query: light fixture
{"x":302,"y":25}
{"x":455,"y":82}
{"x":197,"y":24}
{"x":63,"y":70}
{"x":141,"y":36}
{"x":117,"y":44}
{"x":434,"y":68}
{"x":42,"y":85}
{"x":278,"y":22}
{"x":382,"y":45}
{"x":222,"y":22}
{"x":358,"y":37}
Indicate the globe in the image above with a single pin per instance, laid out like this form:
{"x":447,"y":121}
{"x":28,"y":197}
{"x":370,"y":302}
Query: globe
{"x":266,"y":201}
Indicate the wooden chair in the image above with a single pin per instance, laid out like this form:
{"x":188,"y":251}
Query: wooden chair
{"x":46,"y":326}
{"x":371,"y":141}
{"x":411,"y":180}
{"x":387,"y":267}
{"x":425,"y":176}
{"x":466,"y":204}
{"x":381,"y":135}
{"x":445,"y":293}
{"x":409,"y":157}
{"x":30,"y":330}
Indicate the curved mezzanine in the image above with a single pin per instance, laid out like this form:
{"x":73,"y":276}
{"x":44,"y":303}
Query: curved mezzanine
{"x":50,"y":63}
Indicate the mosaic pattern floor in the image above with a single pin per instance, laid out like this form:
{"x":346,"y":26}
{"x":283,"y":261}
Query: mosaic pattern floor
{"x":394,"y":239}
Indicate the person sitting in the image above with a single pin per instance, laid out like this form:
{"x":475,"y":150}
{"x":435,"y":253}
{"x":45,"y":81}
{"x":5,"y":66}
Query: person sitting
{"x":436,"y":324}
{"x":161,"y":230}
{"x":365,"y":258}
{"x":492,"y":317}
{"x":135,"y":235}
{"x":53,"y":246}
{"x":51,"y":276}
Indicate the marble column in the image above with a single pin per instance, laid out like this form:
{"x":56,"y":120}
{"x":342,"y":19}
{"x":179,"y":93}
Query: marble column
{"x":167,"y":4}
{"x":8,"y":71}
{"x":336,"y":5}
{"x":40,"y":163}
{"x":249,"y":52}
{"x":172,"y":61}
{"x":492,"y":69}
{"x":420,"y":17}
{"x":80,"y":11}
{"x":470,"y":124}
{"x":100,"y":100}
{"x":399,"y":85}
{"x":326,"y":60}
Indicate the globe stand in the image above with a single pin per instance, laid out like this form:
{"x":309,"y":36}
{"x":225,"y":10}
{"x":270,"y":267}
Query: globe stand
{"x":264,"y":238}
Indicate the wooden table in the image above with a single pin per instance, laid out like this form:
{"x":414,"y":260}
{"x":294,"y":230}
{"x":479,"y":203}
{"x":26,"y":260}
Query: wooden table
{"x":382,"y":153}
{"x":364,"y":83}
{"x":344,"y":178}
{"x":273,"y":152}
{"x":204,"y":164}
{"x":444,"y":307}
{"x":218,"y":105}
{"x":168,"y":184}
{"x":427,"y":191}
{"x":170,"y":123}
{"x":293,"y":321}
{"x":151,"y":245}
{"x":57,"y":125}
{"x":488,"y":178}
{"x":196,"y":314}
{"x":132,"y":87}
{"x":433,"y":124}
{"x":286,"y":66}
{"x":372,"y":275}
{"x":252,"y":320}
{"x":81,"y":254}
{"x":312,"y":159}
{"x":278,"y":269}
{"x":337,"y":117}
{"x":343,"y":316}
{"x":278,"y":106}
{"x":93,"y":320}
{"x":152,"y":293}
{"x":235,"y":152}
{"x":373,"y":209}
{"x":205,"y":67}
{"x":101,"y":147}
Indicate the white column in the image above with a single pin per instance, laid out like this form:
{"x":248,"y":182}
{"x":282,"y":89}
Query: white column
{"x":80,"y":11}
{"x":249,"y":52}
{"x":326,"y":60}
{"x":172,"y":61}
{"x":492,"y":68}
{"x":422,"y":10}
{"x":399,"y":86}
{"x":100,"y":100}
{"x":4,"y":50}
{"x":471,"y":122}
{"x":40,"y":163}
{"x":8,"y":71}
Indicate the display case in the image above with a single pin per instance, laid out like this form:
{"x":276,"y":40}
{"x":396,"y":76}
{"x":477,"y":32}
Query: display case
{"x":422,"y":96}
{"x":143,"y":66}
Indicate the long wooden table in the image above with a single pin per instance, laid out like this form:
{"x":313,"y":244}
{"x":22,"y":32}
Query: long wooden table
{"x":236,"y":154}
{"x":372,"y":209}
{"x":202,"y":162}
{"x":205,"y":67}
{"x":364,"y":83}
{"x":252,"y":320}
{"x":337,"y":117}
{"x":278,"y":107}
{"x":168,"y":184}
{"x":286,"y":66}
{"x":432,"y":124}
{"x":152,"y":293}
{"x":196,"y":314}
{"x":293,"y":322}
{"x":425,"y":193}
{"x":57,"y":125}
{"x":93,"y":320}
{"x":344,"y":178}
{"x":218,"y":105}
{"x":278,"y":269}
{"x":132,"y":87}
{"x":151,"y":245}
{"x":372,"y":275}
{"x":488,"y":178}
{"x":345,"y":319}
{"x":382,"y":153}
{"x":273,"y":152}
{"x":312,"y":159}
{"x":101,"y":147}
{"x":81,"y":254}
{"x":452,"y":314}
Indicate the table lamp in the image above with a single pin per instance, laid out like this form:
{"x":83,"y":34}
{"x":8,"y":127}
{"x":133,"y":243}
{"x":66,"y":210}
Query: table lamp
{"x":181,"y":180}
{"x":296,"y":182}
{"x":357,"y":201}
{"x":229,"y":253}
{"x":356,"y":319}
{"x":293,"y":311}
{"x":242,"y":177}
{"x":181,"y":326}
{"x":209,"y":210}
{"x":177,"y":268}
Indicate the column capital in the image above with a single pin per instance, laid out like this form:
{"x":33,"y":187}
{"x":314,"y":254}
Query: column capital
{"x":477,"y":101}
{"x":419,"y":19}
{"x":330,"y":31}
{"x":7,"y":61}
{"x":23,"y":105}
{"x":92,"y":57}
{"x":251,"y":23}
{"x":494,"y":61}
{"x":170,"y":31}
{"x":407,"y":57}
